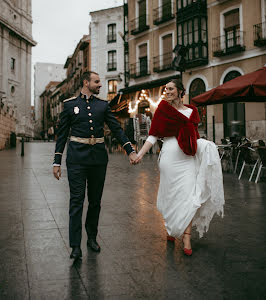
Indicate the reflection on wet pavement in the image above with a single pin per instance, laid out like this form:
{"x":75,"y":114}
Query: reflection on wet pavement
{"x":136,"y":262}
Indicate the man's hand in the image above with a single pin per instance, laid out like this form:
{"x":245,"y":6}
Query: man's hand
{"x":132,"y":158}
{"x":57,"y":172}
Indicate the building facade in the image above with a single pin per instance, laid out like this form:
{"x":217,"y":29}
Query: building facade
{"x":150,"y":37}
{"x":224,"y":39}
{"x":51,"y":98}
{"x":15,"y":62}
{"x":48,"y":107}
{"x":43,"y":74}
{"x":75,"y":65}
{"x":107,"y":49}
{"x":231,"y":37}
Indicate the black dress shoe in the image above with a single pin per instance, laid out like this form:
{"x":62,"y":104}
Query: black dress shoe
{"x":76,"y":253}
{"x":93,"y":245}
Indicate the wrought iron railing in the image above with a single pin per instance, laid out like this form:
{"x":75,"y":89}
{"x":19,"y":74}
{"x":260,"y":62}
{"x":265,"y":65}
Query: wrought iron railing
{"x":140,"y":69}
{"x":163,"y":13}
{"x":259,"y":31}
{"x":111,"y":66}
{"x":231,"y":42}
{"x":139,"y":24}
{"x":163,"y":62}
{"x":111,"y":38}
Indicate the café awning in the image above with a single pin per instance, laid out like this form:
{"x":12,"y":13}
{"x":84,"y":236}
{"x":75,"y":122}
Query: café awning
{"x":247,"y":88}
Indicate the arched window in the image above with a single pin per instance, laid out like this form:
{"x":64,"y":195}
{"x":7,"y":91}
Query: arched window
{"x":231,"y":75}
{"x":196,"y":88}
{"x":234,"y":113}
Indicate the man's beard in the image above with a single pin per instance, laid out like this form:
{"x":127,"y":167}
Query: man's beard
{"x":95,"y":91}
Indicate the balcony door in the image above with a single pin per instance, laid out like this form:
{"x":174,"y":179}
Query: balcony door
{"x":234,"y":113}
{"x":167,"y":51}
{"x":143,"y":60}
{"x":166,"y":9}
{"x":232,"y":29}
{"x":142,"y":13}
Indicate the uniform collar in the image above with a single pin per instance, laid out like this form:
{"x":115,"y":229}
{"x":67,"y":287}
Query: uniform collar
{"x":83,"y":96}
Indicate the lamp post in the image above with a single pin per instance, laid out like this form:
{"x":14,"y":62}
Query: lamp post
{"x":179,"y":61}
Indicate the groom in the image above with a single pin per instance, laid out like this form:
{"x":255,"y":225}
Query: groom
{"x":84,"y":117}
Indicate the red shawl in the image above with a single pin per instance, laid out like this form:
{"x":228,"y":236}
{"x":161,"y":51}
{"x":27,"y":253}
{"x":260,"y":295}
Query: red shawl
{"x":168,"y":121}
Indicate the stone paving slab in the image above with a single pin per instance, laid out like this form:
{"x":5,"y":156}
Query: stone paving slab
{"x":136,"y":262}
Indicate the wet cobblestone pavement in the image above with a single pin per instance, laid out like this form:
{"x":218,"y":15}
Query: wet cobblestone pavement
{"x":136,"y":262}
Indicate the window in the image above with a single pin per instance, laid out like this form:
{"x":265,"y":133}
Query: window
{"x":111,"y":66}
{"x":139,"y":24}
{"x":193,"y":35}
{"x":232,"y":28}
{"x":111,"y":35}
{"x":232,"y":39}
{"x":12,"y":64}
{"x":143,"y":60}
{"x":167,"y":50}
{"x":166,"y":9}
{"x":192,"y":31}
{"x":142,"y":13}
{"x":112,"y":89}
{"x":12,"y":90}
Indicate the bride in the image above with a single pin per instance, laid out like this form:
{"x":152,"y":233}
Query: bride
{"x":191,"y":183}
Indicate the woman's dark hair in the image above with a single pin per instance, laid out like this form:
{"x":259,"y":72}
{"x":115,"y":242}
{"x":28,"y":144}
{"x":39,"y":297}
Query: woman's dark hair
{"x":179,"y":85}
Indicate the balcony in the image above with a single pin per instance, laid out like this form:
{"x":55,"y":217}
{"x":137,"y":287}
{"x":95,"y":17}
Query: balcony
{"x":163,"y":13}
{"x":111,"y":38}
{"x":139,"y":24}
{"x":259,"y":31}
{"x":231,"y":42}
{"x":111,"y":66}
{"x":163,"y":62}
{"x":139,"y":69}
{"x":192,"y":10}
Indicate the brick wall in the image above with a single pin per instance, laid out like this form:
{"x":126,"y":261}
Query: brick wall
{"x":7,"y":125}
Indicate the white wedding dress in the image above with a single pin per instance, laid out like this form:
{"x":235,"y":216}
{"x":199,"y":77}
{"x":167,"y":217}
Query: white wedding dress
{"x":191,"y":187}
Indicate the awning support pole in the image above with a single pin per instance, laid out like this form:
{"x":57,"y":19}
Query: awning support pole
{"x":213,"y":128}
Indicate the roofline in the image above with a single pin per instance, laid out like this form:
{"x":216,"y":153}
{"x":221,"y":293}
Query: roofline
{"x":19,"y":33}
{"x":100,"y":10}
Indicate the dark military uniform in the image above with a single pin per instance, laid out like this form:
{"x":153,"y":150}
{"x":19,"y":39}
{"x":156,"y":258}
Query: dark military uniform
{"x":86,"y":158}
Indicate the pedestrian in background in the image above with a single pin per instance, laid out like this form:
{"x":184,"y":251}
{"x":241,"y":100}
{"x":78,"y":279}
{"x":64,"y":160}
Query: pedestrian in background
{"x":191,"y":183}
{"x":86,"y":157}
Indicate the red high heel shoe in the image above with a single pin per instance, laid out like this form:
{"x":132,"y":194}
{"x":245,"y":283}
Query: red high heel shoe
{"x":187,"y":252}
{"x":170,"y":238}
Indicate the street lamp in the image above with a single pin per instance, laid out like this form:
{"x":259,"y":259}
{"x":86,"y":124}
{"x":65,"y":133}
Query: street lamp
{"x":179,"y":61}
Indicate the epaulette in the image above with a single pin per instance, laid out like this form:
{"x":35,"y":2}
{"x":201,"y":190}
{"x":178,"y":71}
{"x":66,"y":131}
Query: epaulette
{"x":72,"y":98}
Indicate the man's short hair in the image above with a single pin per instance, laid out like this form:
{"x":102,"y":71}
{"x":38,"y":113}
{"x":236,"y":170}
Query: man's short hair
{"x":86,"y":76}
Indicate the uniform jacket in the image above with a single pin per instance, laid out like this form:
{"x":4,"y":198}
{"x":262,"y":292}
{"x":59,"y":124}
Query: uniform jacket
{"x":85,"y":118}
{"x":168,"y":121}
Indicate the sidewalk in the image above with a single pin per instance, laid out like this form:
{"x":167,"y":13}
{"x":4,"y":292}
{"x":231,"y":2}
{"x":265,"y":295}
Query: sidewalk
{"x":136,"y":262}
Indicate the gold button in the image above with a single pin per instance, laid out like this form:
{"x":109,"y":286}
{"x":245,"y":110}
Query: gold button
{"x":89,"y":114}
{"x":91,"y":128}
{"x":90,"y":121}
{"x":89,"y":107}
{"x":92,"y":136}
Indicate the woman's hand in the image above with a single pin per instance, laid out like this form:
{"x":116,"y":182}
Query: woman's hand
{"x":138,"y":159}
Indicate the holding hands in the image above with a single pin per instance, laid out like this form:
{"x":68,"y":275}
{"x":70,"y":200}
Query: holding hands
{"x":136,"y":158}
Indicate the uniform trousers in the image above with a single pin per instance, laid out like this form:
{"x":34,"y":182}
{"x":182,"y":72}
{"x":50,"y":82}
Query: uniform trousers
{"x":78,"y":177}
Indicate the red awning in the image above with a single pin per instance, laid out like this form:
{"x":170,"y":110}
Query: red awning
{"x":247,"y":88}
